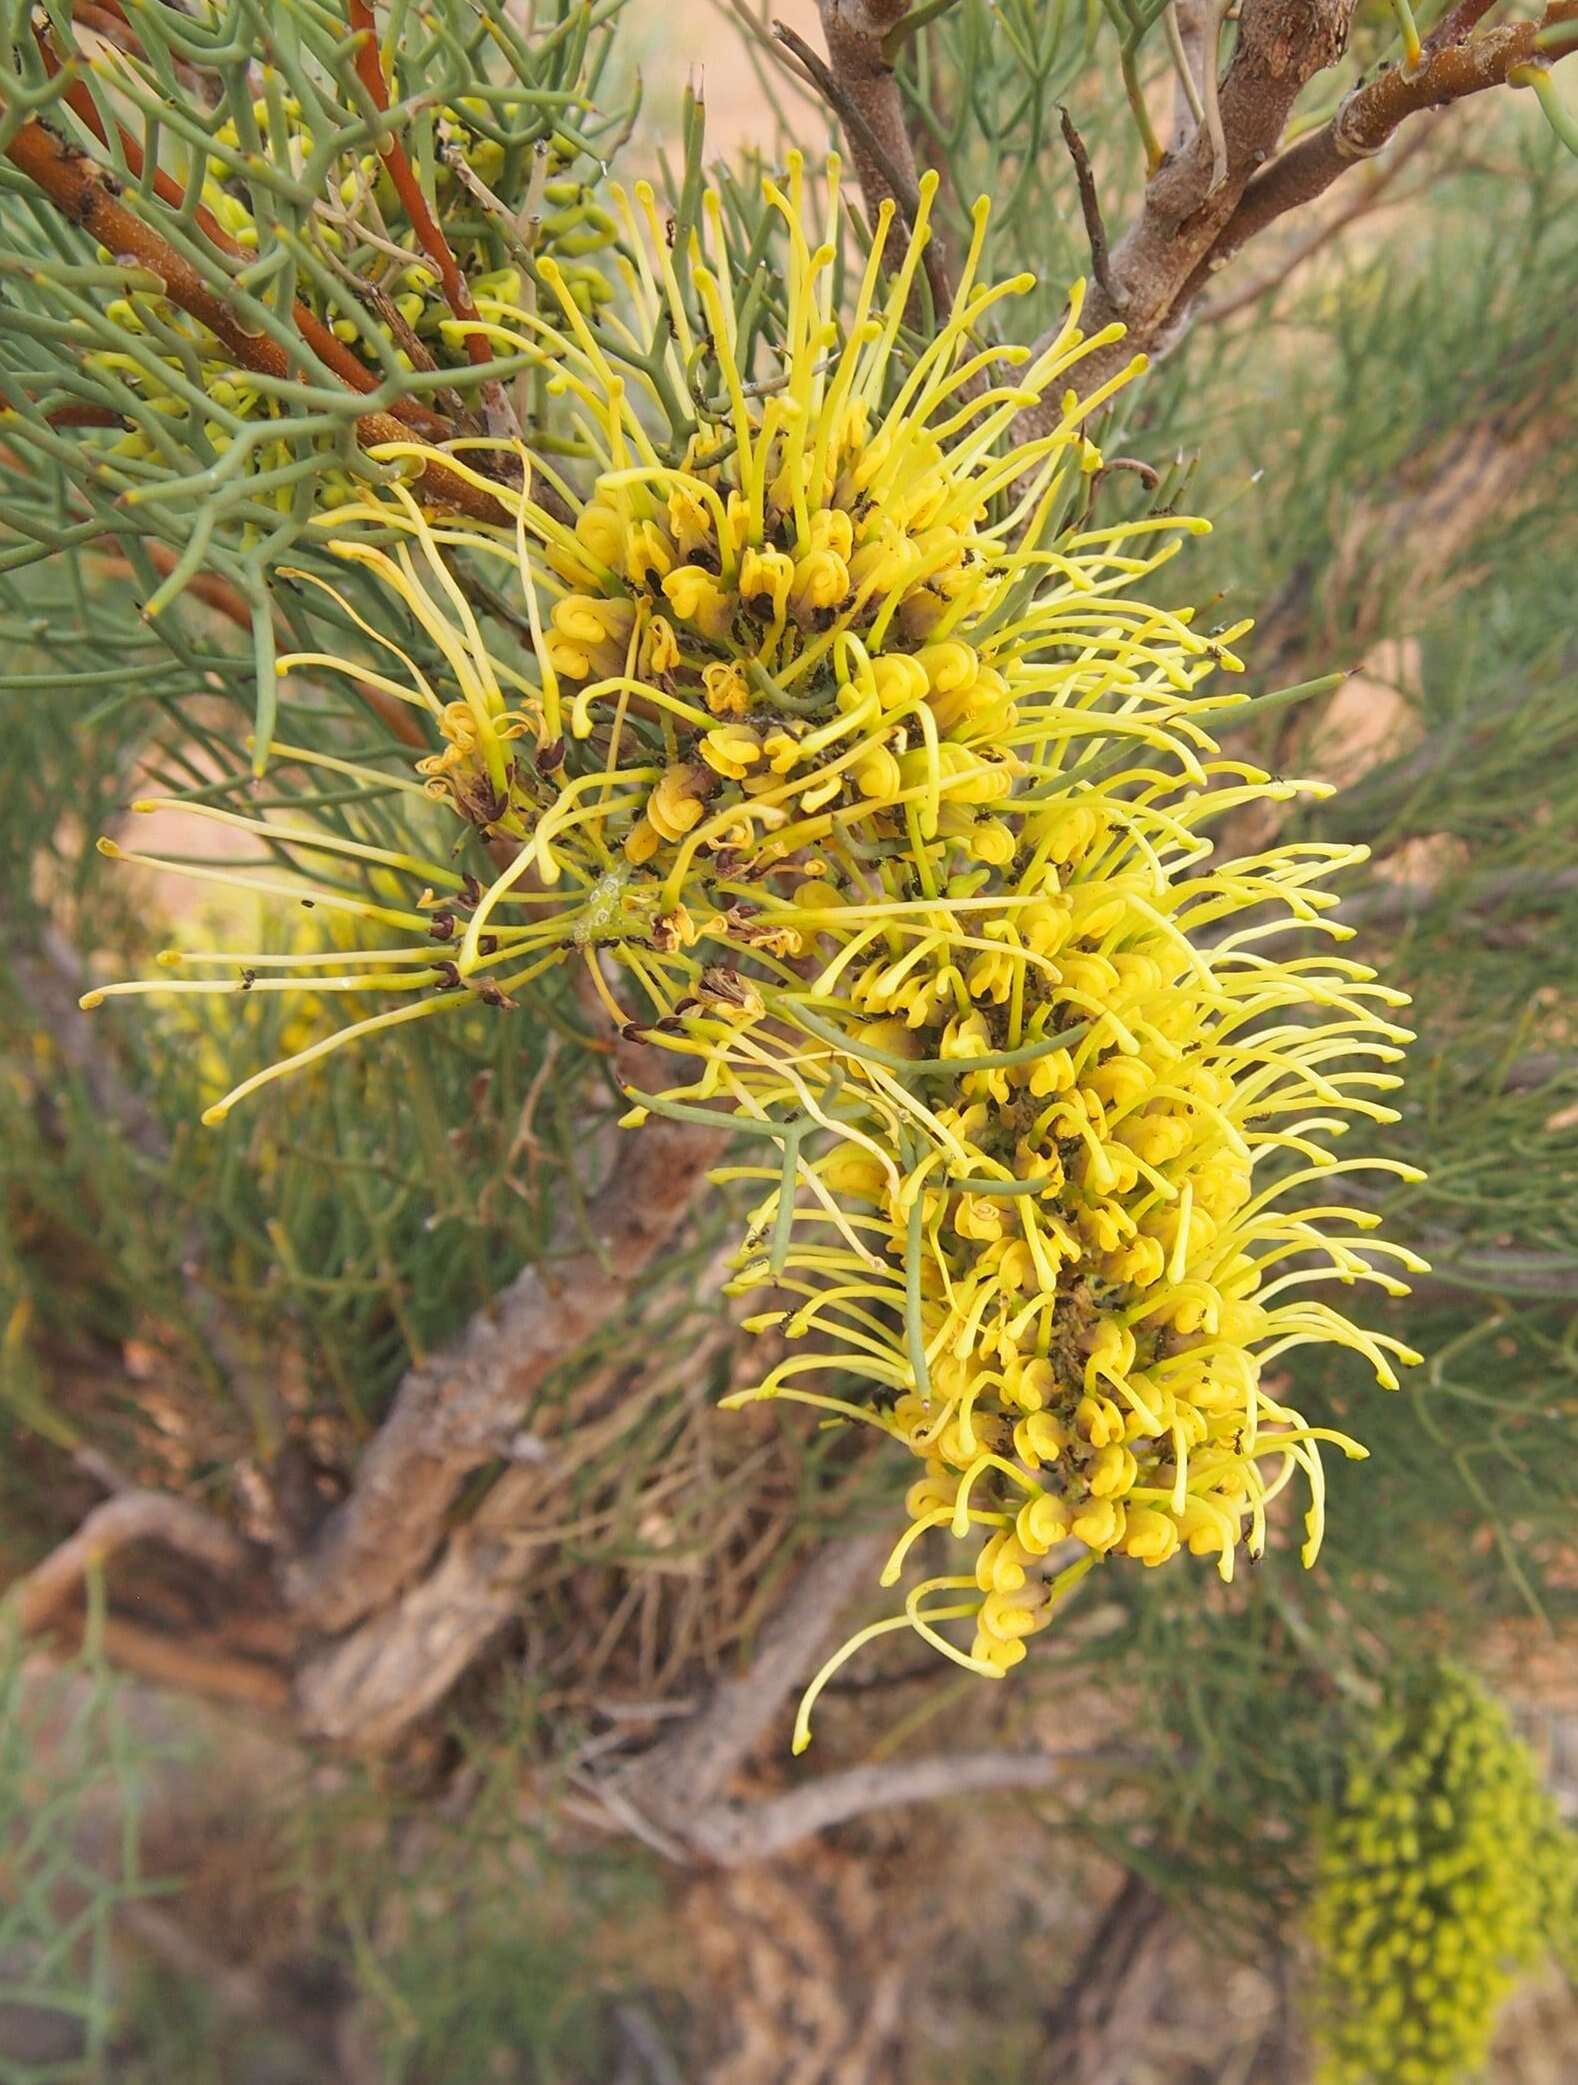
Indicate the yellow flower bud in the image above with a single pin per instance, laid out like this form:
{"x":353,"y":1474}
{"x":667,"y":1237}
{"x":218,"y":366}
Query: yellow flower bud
{"x":731,"y":750}
{"x":821,"y":580}
{"x":697,"y":598}
{"x":675,"y":805}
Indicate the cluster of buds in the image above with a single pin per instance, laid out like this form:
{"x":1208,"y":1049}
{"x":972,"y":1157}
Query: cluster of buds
{"x":882,"y":786}
{"x":364,"y":269}
{"x":1444,"y":1875}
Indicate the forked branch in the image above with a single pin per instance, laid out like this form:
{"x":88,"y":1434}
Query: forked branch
{"x":132,"y":1516}
{"x":1370,"y":118}
{"x":678,"y":1782}
{"x":734,"y":1833}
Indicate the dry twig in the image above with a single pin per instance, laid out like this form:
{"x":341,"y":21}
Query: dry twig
{"x":860,"y":86}
{"x":1090,"y":207}
{"x":736,"y":1833}
{"x":131,"y":1516}
{"x":681,"y":1777}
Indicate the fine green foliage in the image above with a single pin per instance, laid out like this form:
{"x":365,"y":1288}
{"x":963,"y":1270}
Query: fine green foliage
{"x":484,"y":1942}
{"x":69,"y":1852}
{"x":278,"y":210}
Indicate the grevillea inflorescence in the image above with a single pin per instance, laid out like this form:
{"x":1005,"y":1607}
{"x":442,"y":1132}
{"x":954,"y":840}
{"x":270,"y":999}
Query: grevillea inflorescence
{"x":877,"y":783}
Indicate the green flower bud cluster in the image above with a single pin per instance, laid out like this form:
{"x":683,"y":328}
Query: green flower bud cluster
{"x":550,"y":212}
{"x":358,"y":240}
{"x":1444,"y":1875}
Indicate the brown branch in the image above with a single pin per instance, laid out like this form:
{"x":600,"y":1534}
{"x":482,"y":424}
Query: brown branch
{"x":193,"y":1665}
{"x":736,"y":1833}
{"x":1457,"y":24}
{"x":369,"y":70}
{"x":684,"y":1773}
{"x":1224,"y":183}
{"x":1282,"y":44}
{"x":862,"y":89}
{"x":131,"y":1516}
{"x":227,"y":599}
{"x":1111,"y":1992}
{"x":77,"y":188}
{"x":861,"y":77}
{"x":1450,"y":72}
{"x":334,"y":353}
{"x":1528,"y":1277}
{"x":1374,"y":195}
{"x":83,"y":415}
{"x":1090,"y":206}
{"x":368,"y":1688}
{"x":458,"y":1409}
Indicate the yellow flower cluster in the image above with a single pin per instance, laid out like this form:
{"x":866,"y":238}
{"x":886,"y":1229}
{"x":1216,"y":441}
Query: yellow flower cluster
{"x":888,"y":791}
{"x":1444,"y":1875}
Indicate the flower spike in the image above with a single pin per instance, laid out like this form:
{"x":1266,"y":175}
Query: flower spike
{"x":891,"y":799}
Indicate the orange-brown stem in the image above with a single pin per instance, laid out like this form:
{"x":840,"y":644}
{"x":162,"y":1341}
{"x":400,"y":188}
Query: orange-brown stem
{"x":84,"y":193}
{"x":83,"y":416}
{"x":457,"y":293}
{"x":330,"y":350}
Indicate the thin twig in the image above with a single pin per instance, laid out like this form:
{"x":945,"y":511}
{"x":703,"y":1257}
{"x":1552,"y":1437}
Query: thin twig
{"x":1394,"y":903}
{"x":897,"y":181}
{"x":189,"y":1664}
{"x":736,"y":1833}
{"x":1373,"y":197}
{"x":226,"y":599}
{"x":1457,"y":25}
{"x":429,"y":232}
{"x":687,"y":1769}
{"x":1090,"y":208}
{"x":131,"y":1516}
{"x":237,"y":1992}
{"x":862,"y":90}
{"x":78,"y":190}
{"x":641,"y":2033}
